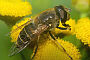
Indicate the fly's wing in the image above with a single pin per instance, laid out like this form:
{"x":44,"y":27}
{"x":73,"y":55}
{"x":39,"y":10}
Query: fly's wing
{"x":14,"y":49}
{"x":19,"y":27}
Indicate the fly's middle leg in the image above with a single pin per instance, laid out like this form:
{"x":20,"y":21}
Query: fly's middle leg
{"x":59,"y":44}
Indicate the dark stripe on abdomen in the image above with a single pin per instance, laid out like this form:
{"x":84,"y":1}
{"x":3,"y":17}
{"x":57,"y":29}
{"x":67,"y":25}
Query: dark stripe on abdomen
{"x":26,"y":34}
{"x":29,"y":30}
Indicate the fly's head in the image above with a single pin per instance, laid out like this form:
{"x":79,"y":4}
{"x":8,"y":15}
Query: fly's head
{"x":62,"y":13}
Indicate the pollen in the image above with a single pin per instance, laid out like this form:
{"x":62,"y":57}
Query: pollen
{"x":50,"y":50}
{"x":17,"y":9}
{"x":82,"y":30}
{"x":70,"y":22}
{"x":17,"y":28}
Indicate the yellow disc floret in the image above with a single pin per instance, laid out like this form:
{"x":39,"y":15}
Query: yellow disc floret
{"x":17,"y":28}
{"x":82,"y":30}
{"x":50,"y":50}
{"x":17,"y":9}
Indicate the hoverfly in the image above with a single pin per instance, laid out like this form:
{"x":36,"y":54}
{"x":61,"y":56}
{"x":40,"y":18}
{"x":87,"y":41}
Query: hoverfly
{"x":45,"y":21}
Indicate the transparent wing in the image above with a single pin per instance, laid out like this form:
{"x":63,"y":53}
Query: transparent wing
{"x":14,"y":49}
{"x":19,"y":27}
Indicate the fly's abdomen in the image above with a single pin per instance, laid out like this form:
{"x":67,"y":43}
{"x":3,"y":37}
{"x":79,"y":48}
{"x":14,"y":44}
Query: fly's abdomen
{"x":26,"y":35}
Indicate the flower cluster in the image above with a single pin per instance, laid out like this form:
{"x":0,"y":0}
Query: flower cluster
{"x":17,"y":9}
{"x":50,"y":50}
{"x":82,"y":30}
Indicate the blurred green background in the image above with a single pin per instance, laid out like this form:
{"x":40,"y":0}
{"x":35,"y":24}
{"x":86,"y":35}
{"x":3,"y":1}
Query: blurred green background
{"x":37,"y":7}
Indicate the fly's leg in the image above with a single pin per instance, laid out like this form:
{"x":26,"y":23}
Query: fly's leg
{"x":59,"y":44}
{"x":61,"y":28}
{"x":34,"y":52}
{"x":66,"y":25}
{"x":35,"y":49}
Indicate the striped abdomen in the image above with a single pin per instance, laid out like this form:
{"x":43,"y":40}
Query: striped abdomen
{"x":30,"y":33}
{"x":26,"y":35}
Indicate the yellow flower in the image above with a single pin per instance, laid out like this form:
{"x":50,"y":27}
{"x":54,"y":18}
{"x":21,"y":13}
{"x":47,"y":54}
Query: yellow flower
{"x":50,"y":50}
{"x":71,"y":23}
{"x":11,"y":0}
{"x":82,"y":30}
{"x":17,"y":28}
{"x":17,"y":9}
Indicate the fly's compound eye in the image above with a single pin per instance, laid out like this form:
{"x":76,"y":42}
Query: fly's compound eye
{"x":59,"y":11}
{"x":67,"y":9}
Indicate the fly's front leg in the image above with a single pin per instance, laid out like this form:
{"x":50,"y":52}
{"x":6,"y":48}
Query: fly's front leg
{"x":59,"y":44}
{"x":61,"y":28}
{"x":66,"y":25}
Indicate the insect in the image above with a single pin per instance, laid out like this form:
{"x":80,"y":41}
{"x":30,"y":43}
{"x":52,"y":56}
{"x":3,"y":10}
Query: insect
{"x":45,"y":21}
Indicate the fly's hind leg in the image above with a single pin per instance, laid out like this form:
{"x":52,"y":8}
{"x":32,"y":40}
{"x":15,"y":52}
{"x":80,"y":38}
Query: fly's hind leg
{"x":59,"y":44}
{"x":35,"y":51}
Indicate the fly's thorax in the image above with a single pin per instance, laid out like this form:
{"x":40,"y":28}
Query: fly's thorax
{"x":48,"y":18}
